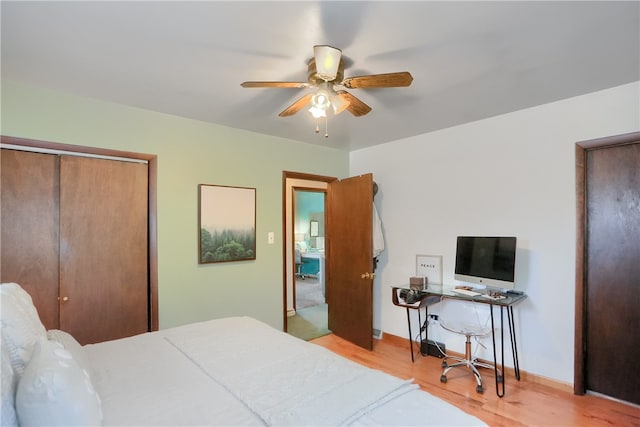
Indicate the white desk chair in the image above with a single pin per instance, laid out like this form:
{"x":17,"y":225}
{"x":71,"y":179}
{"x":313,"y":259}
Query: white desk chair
{"x":458,"y":318}
{"x":299,"y":262}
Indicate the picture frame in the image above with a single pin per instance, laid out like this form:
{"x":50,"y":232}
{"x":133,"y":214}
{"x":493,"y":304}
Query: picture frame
{"x":429,"y":267}
{"x":313,"y":228}
{"x":226,"y":223}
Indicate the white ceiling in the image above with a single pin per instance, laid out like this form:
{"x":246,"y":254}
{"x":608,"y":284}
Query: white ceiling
{"x":469,"y":60}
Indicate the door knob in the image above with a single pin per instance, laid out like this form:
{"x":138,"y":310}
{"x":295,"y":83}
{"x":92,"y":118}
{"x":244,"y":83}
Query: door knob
{"x":65,"y":299}
{"x":368,"y":275}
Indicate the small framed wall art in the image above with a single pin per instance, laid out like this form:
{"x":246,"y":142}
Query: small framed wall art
{"x":429,"y":267}
{"x":313,"y":229}
{"x":226,"y":223}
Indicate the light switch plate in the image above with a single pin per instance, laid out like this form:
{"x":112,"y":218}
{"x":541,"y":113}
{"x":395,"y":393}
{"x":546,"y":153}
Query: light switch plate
{"x":429,"y":266}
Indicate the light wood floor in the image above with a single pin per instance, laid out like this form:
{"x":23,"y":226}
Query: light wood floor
{"x":526,"y":403}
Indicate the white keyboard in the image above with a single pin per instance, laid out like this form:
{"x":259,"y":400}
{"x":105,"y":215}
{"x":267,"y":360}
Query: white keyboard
{"x":466,"y":292}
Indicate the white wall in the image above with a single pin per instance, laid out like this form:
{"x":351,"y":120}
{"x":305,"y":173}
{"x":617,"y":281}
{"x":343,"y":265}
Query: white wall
{"x":509,"y":175}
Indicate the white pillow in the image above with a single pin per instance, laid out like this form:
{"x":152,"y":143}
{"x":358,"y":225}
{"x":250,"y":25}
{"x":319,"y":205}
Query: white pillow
{"x":8,"y":416}
{"x":21,"y":325}
{"x":54,"y":390}
{"x":70,"y":344}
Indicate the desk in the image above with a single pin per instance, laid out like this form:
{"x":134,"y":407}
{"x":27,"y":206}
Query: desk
{"x":433,"y":294}
{"x":314,"y":263}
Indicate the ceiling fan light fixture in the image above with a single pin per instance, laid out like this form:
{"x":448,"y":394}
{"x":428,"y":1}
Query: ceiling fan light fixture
{"x":327,"y":61}
{"x":321,"y":99}
{"x":318,"y":112}
{"x":338,"y":103}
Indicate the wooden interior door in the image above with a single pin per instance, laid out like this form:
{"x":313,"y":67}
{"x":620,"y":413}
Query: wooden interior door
{"x":29,"y":188}
{"x":350,"y":259}
{"x":103,"y":248}
{"x":613,"y":271}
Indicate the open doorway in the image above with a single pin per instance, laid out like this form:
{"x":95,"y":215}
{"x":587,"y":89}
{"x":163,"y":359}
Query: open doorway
{"x":348,"y":252}
{"x":306,"y":309}
{"x":309,"y":317}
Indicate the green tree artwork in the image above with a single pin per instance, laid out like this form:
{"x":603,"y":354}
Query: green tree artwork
{"x":227,"y":218}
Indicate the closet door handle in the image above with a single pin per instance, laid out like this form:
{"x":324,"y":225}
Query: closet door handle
{"x":65,"y":299}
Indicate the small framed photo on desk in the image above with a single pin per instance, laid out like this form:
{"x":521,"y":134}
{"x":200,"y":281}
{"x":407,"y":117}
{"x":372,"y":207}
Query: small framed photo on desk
{"x":429,"y":267}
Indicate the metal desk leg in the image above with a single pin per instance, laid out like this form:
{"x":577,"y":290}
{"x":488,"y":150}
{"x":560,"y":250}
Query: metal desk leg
{"x":420,"y":329}
{"x":514,"y":345}
{"x":410,"y":334}
{"x":499,"y":378}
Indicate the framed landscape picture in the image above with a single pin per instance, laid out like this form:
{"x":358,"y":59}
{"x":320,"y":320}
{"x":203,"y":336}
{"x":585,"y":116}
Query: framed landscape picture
{"x":226,"y":223}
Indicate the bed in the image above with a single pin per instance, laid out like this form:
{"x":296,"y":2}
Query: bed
{"x":229,"y":371}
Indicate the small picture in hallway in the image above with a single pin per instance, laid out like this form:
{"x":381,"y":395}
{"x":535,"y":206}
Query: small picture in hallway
{"x":226,"y":223}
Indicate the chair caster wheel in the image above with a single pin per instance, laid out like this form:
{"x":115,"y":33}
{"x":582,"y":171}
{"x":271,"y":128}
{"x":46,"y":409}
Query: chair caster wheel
{"x":443,"y":379}
{"x":479,"y":389}
{"x":444,"y":364}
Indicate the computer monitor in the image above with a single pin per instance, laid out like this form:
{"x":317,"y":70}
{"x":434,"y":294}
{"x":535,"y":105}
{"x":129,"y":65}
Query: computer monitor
{"x":488,"y":261}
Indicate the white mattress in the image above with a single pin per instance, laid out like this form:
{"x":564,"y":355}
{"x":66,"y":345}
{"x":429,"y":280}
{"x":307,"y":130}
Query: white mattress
{"x":201,"y":374}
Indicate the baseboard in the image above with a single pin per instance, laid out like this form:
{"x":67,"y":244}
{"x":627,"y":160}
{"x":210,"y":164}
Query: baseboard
{"x":524,"y":376}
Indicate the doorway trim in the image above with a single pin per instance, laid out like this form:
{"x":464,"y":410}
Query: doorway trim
{"x":582,"y":148}
{"x":286,"y":176}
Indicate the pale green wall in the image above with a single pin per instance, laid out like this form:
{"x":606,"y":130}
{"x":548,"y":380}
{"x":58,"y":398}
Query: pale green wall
{"x":189,"y":153}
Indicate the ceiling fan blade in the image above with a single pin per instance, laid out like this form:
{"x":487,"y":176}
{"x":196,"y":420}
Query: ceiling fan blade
{"x":296,"y":106}
{"x":355,"y":107}
{"x":400,"y":79}
{"x":295,"y":85}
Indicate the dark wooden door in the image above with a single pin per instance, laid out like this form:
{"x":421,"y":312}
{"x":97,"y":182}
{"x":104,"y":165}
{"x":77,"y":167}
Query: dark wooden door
{"x":613,"y":271}
{"x":103,"y":248}
{"x":29,"y":188}
{"x":350,"y":260}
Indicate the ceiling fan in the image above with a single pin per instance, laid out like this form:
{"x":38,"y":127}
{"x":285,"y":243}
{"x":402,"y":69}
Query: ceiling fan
{"x":326,"y":73}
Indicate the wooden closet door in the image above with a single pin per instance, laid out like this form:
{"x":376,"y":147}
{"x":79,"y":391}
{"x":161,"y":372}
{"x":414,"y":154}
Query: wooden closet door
{"x":29,"y":188}
{"x":103,"y":248}
{"x":613,"y":271}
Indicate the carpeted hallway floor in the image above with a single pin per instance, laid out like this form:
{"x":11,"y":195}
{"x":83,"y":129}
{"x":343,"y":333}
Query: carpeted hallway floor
{"x":308,"y":293}
{"x":310,"y":320}
{"x":309,"y":323}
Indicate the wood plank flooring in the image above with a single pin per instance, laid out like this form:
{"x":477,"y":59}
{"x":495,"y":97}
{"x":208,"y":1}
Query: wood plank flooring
{"x":526,"y":402}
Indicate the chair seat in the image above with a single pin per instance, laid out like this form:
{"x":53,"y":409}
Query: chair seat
{"x":466,"y":328}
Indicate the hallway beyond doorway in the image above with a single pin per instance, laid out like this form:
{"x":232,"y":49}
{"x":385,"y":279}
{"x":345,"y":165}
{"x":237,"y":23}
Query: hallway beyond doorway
{"x":308,"y":292}
{"x":311,"y":318}
{"x":309,"y":323}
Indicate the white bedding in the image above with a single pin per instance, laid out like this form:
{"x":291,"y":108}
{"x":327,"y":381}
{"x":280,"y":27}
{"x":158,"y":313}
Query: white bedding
{"x":239,"y":371}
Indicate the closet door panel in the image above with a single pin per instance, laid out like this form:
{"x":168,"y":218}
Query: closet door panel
{"x":103,"y":248}
{"x":29,"y":218}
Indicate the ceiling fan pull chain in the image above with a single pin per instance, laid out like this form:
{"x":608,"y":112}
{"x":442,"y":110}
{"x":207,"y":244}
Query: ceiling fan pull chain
{"x":326,"y":127}
{"x":317,"y":127}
